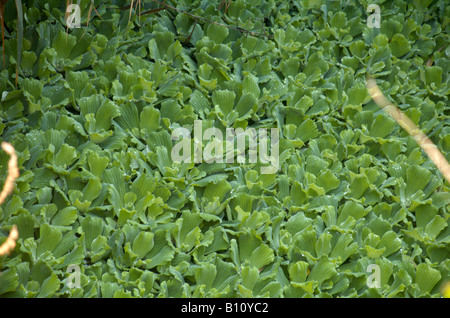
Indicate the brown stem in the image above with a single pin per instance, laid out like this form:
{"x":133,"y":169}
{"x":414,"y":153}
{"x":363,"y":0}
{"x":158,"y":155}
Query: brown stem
{"x":192,"y":32}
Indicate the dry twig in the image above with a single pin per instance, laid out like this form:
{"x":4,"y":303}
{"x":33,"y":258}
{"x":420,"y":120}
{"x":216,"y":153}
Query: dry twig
{"x":13,"y":171}
{"x":13,"y":174}
{"x":10,"y":242}
{"x":407,"y":124}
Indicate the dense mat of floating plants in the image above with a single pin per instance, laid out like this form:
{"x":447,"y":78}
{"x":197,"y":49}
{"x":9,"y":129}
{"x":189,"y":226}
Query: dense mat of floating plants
{"x":356,"y":209}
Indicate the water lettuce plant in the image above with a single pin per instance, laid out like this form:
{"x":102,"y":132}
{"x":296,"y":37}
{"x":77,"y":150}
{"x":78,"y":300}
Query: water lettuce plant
{"x":355,"y":209}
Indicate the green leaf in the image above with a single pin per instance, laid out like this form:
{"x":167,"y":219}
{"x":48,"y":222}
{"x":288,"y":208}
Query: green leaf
{"x":249,"y":277}
{"x":344,"y":248}
{"x":216,"y":32}
{"x":92,"y":227}
{"x":97,"y":164}
{"x":217,"y":189}
{"x":129,"y":116}
{"x":108,"y":289}
{"x":435,"y":226}
{"x":324,"y":269}
{"x":357,"y":94}
{"x":261,"y":256}
{"x":399,"y":45}
{"x":63,"y":44}
{"x":65,"y":156}
{"x":390,"y":242}
{"x":307,"y":130}
{"x":297,"y":223}
{"x":323,"y":244}
{"x":433,"y":76}
{"x":316,"y":63}
{"x":92,"y":189}
{"x":32,"y":89}
{"x":250,"y":86}
{"x":382,"y":126}
{"x":205,"y":275}
{"x":359,"y":183}
{"x":25,"y":224}
{"x":245,"y":104}
{"x":149,"y":118}
{"x":76,"y":256}
{"x":422,"y":4}
{"x":99,"y":248}
{"x":306,"y":242}
{"x":65,"y":245}
{"x":49,"y":286}
{"x":65,"y":216}
{"x":417,"y":178}
{"x":56,"y":94}
{"x":374,"y":252}
{"x":328,"y":181}
{"x":9,"y":281}
{"x":350,"y":209}
{"x":426,"y":277}
{"x":298,"y":272}
{"x":80,"y":84}
{"x":143,"y":243}
{"x":224,"y":99}
{"x":50,"y":237}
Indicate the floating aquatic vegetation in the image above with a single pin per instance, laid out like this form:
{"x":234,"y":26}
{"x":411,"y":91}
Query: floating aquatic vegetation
{"x":353,"y":208}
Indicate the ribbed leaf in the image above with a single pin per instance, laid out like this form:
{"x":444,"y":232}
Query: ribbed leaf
{"x":224,"y":99}
{"x":97,"y":164}
{"x":245,"y":104}
{"x":382,"y":126}
{"x":9,"y":281}
{"x":92,"y":228}
{"x":149,"y":118}
{"x":249,"y":277}
{"x":205,"y":275}
{"x":50,"y":237}
{"x":433,"y":75}
{"x":351,"y":209}
{"x":390,"y":242}
{"x":298,"y":272}
{"x":261,"y":256}
{"x":426,"y":277}
{"x":435,"y":226}
{"x":399,"y":45}
{"x":143,"y":243}
{"x":65,"y":216}
{"x":417,"y":178}
{"x":344,"y":248}
{"x":161,"y":253}
{"x":324,"y":269}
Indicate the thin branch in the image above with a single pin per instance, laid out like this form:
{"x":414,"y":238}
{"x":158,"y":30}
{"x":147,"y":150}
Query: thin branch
{"x":131,"y":10}
{"x":13,"y":171}
{"x":407,"y":124}
{"x":151,"y":11}
{"x":13,"y":174}
{"x":225,"y":3}
{"x":192,"y":32}
{"x":10,"y":242}
{"x":92,"y":4}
